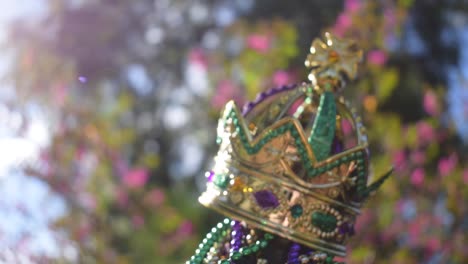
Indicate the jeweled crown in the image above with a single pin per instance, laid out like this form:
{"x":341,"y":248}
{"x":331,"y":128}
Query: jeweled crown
{"x":295,"y":162}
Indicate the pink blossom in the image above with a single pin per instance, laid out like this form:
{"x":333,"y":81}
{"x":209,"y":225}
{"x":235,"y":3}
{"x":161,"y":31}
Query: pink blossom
{"x":399,"y":205}
{"x":389,"y":18}
{"x":87,"y":201}
{"x":135,"y":178}
{"x":197,"y":56}
{"x":433,"y":244}
{"x":465,"y":176}
{"x":425,"y":132}
{"x":399,"y":160}
{"x":83,"y":231}
{"x":342,"y":24}
{"x":430,"y":103}
{"x":414,"y":231}
{"x":225,"y":91}
{"x":155,"y":197}
{"x":362,"y":221}
{"x":447,"y":165}
{"x":377,"y":57}
{"x":417,"y":177}
{"x":258,"y":42}
{"x":352,"y":5}
{"x":186,"y":228}
{"x":281,"y":78}
{"x":418,"y":157}
{"x":60,"y":93}
{"x":121,"y":197}
{"x":120,"y":165}
{"x":138,"y":221}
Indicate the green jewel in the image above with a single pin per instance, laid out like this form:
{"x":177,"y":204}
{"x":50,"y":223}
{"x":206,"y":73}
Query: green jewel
{"x":221,"y":181}
{"x":255,"y":248}
{"x":246,"y":251}
{"x":325,"y":222}
{"x":301,"y":151}
{"x":269,"y":236}
{"x":360,"y":189}
{"x":296,"y":210}
{"x":236,"y":255}
{"x":298,"y":142}
{"x":294,"y":133}
{"x":256,"y":148}
{"x":312,"y":173}
{"x":243,"y":136}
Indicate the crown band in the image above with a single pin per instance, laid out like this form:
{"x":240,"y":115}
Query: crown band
{"x":276,"y":205}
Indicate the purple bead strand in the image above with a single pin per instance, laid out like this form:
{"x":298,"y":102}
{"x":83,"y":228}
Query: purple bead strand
{"x":262,"y":96}
{"x":236,"y":235}
{"x":293,"y":255}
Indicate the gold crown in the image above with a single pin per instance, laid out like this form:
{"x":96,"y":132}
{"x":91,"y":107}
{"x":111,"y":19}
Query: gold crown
{"x":282,"y":166}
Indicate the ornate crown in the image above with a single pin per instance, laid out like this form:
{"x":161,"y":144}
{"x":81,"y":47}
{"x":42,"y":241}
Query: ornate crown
{"x":285,"y":164}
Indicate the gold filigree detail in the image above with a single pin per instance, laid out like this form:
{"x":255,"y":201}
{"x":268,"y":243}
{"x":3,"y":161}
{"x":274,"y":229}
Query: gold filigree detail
{"x":332,"y":58}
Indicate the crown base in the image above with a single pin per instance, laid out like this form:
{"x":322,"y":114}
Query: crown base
{"x":266,"y":225}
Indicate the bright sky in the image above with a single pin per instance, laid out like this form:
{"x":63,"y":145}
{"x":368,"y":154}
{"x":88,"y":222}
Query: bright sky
{"x":26,"y":204}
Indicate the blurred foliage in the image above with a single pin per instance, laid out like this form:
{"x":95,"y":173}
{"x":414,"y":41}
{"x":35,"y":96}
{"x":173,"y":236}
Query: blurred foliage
{"x":127,"y":155}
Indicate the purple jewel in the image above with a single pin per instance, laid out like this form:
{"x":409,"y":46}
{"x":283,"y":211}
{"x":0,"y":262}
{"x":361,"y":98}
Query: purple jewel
{"x":346,"y":228}
{"x":209,"y":176}
{"x":337,"y":146}
{"x":343,"y":229}
{"x":266,"y":199}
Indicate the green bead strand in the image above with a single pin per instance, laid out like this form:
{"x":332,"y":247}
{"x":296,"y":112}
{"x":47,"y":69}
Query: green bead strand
{"x":208,"y":241}
{"x":249,"y":250}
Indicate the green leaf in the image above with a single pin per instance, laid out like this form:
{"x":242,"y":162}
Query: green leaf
{"x":387,"y":83}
